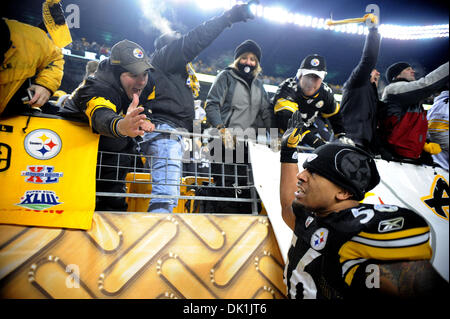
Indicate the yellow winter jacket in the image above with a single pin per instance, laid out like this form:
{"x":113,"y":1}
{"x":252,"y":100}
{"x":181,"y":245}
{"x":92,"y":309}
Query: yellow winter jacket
{"x":32,"y":53}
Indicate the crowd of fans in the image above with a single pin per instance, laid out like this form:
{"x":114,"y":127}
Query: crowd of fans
{"x":139,"y":102}
{"x":212,"y":67}
{"x":393,"y":126}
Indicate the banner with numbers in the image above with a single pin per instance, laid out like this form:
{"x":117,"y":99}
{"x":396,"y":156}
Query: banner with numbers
{"x":47,"y":172}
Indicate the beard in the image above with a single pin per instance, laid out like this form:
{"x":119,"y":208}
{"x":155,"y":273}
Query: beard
{"x":298,"y":207}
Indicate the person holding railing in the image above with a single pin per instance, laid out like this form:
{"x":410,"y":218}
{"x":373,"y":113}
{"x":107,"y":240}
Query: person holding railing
{"x":307,"y":94}
{"x":237,"y":102}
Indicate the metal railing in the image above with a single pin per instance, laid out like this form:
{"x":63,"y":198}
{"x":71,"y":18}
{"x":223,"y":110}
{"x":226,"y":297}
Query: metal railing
{"x":203,"y":181}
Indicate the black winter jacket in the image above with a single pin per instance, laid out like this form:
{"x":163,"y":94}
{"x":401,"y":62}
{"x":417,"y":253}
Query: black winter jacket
{"x":360,"y":97}
{"x":173,"y":102}
{"x":101,"y":101}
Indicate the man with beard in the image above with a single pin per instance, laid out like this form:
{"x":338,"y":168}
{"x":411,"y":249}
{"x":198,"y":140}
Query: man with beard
{"x":338,"y":242}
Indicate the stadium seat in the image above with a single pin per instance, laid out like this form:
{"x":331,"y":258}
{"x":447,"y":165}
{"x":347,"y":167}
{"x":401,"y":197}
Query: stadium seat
{"x":140,"y":183}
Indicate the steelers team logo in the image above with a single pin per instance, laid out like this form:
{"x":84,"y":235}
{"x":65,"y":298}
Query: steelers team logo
{"x":42,"y":144}
{"x":138,"y":53}
{"x":315,"y":62}
{"x":319,"y":238}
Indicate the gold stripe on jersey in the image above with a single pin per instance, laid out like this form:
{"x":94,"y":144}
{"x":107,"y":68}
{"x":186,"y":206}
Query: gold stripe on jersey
{"x":96,"y":103}
{"x":397,"y":234}
{"x":283,"y":104}
{"x":338,"y":107}
{"x":349,"y":276}
{"x":354,"y":250}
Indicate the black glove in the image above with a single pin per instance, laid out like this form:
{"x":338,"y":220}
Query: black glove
{"x":238,"y":13}
{"x":291,"y":138}
{"x":57,"y":13}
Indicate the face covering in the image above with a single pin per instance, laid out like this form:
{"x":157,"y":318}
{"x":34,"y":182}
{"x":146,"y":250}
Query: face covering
{"x":246,"y":70}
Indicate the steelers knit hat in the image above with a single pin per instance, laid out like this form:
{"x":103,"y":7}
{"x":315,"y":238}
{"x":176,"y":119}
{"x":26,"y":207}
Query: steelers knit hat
{"x":130,"y":56}
{"x":248,"y":46}
{"x":346,"y":166}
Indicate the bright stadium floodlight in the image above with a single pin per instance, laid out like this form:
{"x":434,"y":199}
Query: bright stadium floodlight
{"x":210,"y":4}
{"x":280,"y":15}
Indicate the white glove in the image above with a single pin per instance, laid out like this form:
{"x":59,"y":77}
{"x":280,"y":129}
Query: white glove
{"x":346,"y":140}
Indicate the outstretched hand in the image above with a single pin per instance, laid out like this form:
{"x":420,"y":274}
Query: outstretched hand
{"x":134,"y":123}
{"x":239,"y":12}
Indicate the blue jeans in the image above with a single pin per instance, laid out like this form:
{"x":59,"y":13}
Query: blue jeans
{"x":165,"y":151}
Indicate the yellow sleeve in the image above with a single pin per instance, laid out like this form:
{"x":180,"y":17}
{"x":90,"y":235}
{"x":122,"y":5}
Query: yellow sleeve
{"x":51,"y":68}
{"x":409,"y":244}
{"x":285,"y":105}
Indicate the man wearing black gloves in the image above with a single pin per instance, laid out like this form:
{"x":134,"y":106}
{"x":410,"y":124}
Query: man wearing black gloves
{"x":173,"y":103}
{"x":360,"y":96}
{"x":307,"y":94}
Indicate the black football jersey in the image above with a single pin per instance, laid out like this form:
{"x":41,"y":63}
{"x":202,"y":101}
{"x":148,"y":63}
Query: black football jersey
{"x":289,"y":99}
{"x":327,"y":251}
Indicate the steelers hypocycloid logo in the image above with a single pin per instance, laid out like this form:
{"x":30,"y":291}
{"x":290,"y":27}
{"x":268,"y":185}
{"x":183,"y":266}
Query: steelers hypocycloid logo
{"x":42,"y":144}
{"x":315,"y":62}
{"x":319,"y":238}
{"x":138,"y":53}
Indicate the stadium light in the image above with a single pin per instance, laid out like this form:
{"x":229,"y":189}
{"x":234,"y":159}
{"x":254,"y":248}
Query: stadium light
{"x":281,"y":15}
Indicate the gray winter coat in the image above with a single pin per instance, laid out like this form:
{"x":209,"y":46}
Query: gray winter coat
{"x":232,"y":103}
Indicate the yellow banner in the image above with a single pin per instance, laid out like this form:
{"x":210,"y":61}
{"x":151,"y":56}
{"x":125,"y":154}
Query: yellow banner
{"x":47,"y":173}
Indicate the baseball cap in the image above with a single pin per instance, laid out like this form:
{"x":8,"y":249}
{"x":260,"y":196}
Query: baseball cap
{"x":347,"y":166}
{"x":130,"y":56}
{"x":313,"y":64}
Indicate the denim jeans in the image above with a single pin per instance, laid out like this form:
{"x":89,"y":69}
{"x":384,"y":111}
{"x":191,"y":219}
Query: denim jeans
{"x":165,"y":151}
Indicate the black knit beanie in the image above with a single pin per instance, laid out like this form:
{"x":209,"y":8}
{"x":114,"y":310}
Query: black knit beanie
{"x":346,"y":166}
{"x":248,"y":46}
{"x":395,"y":69}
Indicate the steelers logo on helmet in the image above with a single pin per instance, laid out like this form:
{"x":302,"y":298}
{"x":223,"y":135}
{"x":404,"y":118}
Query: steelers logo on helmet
{"x":315,"y":62}
{"x":138,"y":53}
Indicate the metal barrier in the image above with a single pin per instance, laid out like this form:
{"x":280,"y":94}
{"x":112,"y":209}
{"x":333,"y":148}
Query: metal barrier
{"x":202,"y":180}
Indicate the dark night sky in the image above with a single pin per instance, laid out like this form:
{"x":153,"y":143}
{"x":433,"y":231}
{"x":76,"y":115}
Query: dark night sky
{"x":283,"y":45}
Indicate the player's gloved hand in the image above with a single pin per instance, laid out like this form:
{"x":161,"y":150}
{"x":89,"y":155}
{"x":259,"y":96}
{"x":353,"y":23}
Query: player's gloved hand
{"x":432,"y":148}
{"x":238,"y":13}
{"x":291,"y":138}
{"x":344,"y":139}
